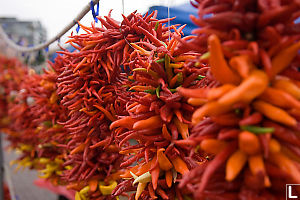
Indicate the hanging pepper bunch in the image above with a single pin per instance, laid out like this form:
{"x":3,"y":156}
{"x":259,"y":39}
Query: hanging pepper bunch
{"x":48,"y":113}
{"x":21,"y":116}
{"x":12,"y":73}
{"x":157,"y":116}
{"x":86,"y":163}
{"x":249,"y":124}
{"x":34,"y":131}
{"x":88,"y":82}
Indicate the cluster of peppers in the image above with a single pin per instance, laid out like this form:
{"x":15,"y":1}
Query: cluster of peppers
{"x":157,"y":116}
{"x":12,"y":71}
{"x":249,"y":123}
{"x":32,"y":114}
{"x":140,"y":110}
{"x":107,"y":106}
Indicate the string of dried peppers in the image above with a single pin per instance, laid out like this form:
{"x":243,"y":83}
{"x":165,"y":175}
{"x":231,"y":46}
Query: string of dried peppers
{"x":247,"y":123}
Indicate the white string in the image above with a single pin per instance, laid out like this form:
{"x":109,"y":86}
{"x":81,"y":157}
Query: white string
{"x":123,"y":7}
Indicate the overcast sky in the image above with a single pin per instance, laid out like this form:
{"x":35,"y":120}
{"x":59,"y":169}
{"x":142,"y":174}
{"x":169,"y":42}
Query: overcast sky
{"x":56,"y":14}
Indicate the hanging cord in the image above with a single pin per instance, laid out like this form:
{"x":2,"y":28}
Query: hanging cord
{"x":123,"y":7}
{"x":19,"y":48}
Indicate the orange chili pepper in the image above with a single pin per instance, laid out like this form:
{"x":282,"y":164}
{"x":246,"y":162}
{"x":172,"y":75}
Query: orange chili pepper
{"x":274,"y":146}
{"x":126,"y":122}
{"x":154,"y":172}
{"x":127,"y":173}
{"x":78,"y":149}
{"x":274,"y":113}
{"x":179,"y":165}
{"x":169,"y":178}
{"x":53,"y":98}
{"x":249,"y":143}
{"x":102,"y":143}
{"x":215,"y":93}
{"x":279,"y":98}
{"x":213,"y":146}
{"x":179,"y":115}
{"x":197,"y":101}
{"x":170,"y":44}
{"x":91,"y":113}
{"x":195,"y":93}
{"x":256,"y":165}
{"x":288,"y":86}
{"x":103,"y":64}
{"x":144,"y":168}
{"x":135,"y":103}
{"x":250,"y":88}
{"x":173,"y":81}
{"x":137,"y":170}
{"x":172,"y":49}
{"x":209,"y":109}
{"x":105,"y":112}
{"x":153,"y":122}
{"x":87,"y":29}
{"x":182,"y":128}
{"x":284,"y":58}
{"x":219,"y":67}
{"x":242,"y":64}
{"x":87,"y":46}
{"x":166,"y":133}
{"x":71,"y":96}
{"x":80,"y":64}
{"x":235,"y":164}
{"x":163,"y":161}
{"x":184,"y":58}
{"x":117,"y":44}
{"x":140,"y":49}
{"x":109,"y":65}
{"x":93,"y":183}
